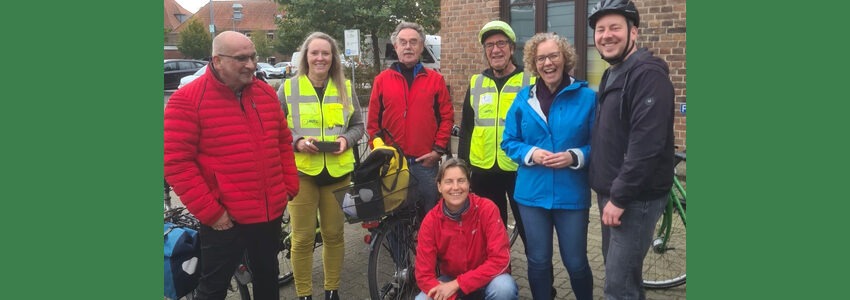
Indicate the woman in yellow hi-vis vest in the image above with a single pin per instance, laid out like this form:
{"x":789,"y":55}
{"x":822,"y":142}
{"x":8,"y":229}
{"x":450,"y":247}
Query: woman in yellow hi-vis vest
{"x":326,"y":123}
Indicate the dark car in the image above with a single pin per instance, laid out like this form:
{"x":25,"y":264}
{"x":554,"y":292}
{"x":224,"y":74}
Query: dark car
{"x":177,"y":68}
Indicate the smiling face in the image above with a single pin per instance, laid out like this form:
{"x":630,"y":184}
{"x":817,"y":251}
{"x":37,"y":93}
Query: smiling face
{"x":409,"y":46}
{"x":319,"y":57}
{"x":454,"y":187}
{"x":550,"y":63}
{"x":612,"y":35}
{"x":235,"y":59}
{"x":499,"y":58}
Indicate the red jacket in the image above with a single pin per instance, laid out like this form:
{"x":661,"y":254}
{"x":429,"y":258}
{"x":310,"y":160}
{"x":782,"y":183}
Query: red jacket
{"x":223,"y":154}
{"x":408,"y":113}
{"x":474,"y":250}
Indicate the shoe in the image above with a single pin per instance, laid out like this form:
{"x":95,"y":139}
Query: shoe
{"x":332,"y":295}
{"x":305,"y":298}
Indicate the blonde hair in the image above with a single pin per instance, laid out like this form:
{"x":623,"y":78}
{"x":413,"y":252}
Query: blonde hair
{"x":529,"y":54}
{"x":336,"y":72}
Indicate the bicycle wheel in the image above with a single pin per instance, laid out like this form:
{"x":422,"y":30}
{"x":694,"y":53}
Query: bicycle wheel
{"x":391,"y":262}
{"x":283,"y":257}
{"x":665,"y":264}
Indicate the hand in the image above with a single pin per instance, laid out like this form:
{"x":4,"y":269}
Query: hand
{"x":223,"y":222}
{"x":430,"y":159}
{"x":558,"y":160}
{"x":444,"y":290}
{"x":343,"y":143}
{"x":539,"y":155}
{"x":305,"y":145}
{"x":611,"y":214}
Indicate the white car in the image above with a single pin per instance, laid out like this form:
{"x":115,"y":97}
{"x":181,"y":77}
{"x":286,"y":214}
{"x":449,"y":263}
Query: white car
{"x":270,"y":71}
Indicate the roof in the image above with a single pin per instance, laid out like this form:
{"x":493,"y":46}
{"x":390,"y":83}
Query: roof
{"x":256,"y":15}
{"x":171,"y":9}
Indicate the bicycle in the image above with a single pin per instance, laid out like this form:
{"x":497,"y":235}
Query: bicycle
{"x":242,"y":275}
{"x":665,"y":263}
{"x":379,"y":198}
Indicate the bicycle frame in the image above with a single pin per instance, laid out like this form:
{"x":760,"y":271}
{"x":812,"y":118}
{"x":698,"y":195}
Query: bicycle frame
{"x":673,"y":203}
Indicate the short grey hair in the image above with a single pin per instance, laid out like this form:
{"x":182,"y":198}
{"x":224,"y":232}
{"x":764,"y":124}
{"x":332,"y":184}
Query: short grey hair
{"x":407,"y":25}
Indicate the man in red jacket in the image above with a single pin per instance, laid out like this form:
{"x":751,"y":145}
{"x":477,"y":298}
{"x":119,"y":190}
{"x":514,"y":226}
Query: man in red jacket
{"x":410,"y":107}
{"x":228,"y":155}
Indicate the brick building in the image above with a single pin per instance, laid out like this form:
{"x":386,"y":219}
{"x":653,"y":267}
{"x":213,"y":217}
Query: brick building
{"x":663,"y":30}
{"x":255,"y":15}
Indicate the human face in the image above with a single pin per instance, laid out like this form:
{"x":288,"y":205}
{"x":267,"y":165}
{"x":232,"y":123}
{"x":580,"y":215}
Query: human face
{"x":611,"y":35}
{"x":236,"y":66}
{"x":319,"y":57}
{"x":409,"y":46}
{"x":498,"y":57}
{"x":454,"y":187}
{"x":550,"y":63}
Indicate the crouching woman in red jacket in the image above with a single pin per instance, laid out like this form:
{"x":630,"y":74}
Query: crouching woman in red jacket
{"x":463,"y":237}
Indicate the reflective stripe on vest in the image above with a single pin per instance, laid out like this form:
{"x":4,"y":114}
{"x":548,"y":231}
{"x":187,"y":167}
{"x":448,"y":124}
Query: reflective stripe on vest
{"x":490,"y":107}
{"x":325,"y":120}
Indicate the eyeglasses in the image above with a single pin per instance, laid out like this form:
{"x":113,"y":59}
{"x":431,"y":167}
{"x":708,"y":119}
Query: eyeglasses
{"x":553,"y":57}
{"x":501,"y":44}
{"x":242,"y":58}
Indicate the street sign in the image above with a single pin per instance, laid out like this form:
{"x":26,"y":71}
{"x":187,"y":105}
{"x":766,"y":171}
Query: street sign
{"x":352,"y":42}
{"x":682,"y":108}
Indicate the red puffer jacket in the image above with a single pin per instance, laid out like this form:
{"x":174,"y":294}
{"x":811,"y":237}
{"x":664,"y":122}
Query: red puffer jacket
{"x":223,"y":153}
{"x":409,"y":113}
{"x":474,"y":250}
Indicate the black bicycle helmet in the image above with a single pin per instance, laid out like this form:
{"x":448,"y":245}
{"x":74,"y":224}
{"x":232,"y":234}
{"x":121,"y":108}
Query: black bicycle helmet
{"x":625,"y":8}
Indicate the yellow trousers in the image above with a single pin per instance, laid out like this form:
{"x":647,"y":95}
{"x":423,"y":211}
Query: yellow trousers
{"x":313,"y":199}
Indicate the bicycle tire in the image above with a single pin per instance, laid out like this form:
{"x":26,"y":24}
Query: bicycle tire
{"x":665,"y":264}
{"x":393,"y":277}
{"x":284,"y":255}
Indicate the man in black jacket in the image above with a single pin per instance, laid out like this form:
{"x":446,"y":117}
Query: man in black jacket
{"x":631,"y":166}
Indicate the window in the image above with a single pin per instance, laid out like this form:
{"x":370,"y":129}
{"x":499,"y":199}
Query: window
{"x":528,"y":17}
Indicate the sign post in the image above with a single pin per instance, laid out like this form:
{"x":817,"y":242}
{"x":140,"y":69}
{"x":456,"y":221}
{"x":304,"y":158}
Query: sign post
{"x":352,"y":47}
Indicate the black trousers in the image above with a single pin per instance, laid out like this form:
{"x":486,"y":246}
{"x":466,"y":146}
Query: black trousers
{"x":498,"y":187}
{"x":221,"y":252}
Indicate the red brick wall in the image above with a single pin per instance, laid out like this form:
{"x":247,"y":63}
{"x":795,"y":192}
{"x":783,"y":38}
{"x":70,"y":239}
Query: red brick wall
{"x":462,"y":54}
{"x":663,"y":30}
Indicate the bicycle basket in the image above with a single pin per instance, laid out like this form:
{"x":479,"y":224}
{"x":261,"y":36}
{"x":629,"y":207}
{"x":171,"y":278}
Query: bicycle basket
{"x":379,"y":187}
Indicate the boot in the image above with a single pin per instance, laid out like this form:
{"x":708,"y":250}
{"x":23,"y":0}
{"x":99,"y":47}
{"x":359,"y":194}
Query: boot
{"x":332,"y":295}
{"x":305,"y":297}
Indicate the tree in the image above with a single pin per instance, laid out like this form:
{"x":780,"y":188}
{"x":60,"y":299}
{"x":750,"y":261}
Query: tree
{"x":377,"y":18}
{"x":262,"y":43}
{"x":195,"y":41}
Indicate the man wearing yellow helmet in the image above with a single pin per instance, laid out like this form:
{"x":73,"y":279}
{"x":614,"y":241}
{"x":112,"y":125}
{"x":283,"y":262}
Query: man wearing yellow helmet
{"x":487,"y":100}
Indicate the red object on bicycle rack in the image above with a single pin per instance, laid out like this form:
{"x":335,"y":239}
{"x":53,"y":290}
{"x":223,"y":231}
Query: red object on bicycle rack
{"x":370,"y":224}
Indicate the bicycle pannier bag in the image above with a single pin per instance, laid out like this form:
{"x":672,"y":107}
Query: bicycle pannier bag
{"x":182,"y":251}
{"x":380,"y":183}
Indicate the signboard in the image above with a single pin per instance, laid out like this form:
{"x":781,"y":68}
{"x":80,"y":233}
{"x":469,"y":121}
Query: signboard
{"x":352,"y":42}
{"x":682,"y":108}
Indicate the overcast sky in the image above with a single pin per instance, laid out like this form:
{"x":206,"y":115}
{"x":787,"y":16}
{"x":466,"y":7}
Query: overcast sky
{"x":193,"y":5}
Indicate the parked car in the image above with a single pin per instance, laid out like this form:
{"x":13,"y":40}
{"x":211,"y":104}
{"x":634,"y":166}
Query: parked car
{"x":270,"y":71}
{"x":189,"y":78}
{"x":178,"y":68}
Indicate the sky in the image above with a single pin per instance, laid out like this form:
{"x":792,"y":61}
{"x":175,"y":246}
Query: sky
{"x":193,"y":5}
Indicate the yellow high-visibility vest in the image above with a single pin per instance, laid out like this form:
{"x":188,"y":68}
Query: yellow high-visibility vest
{"x":491,"y":106}
{"x":325,"y":120}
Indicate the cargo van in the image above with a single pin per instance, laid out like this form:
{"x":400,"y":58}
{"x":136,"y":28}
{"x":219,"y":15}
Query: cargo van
{"x":430,"y":56}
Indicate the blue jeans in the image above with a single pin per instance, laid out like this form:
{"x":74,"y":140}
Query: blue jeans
{"x":571,"y":227}
{"x":426,"y":186}
{"x":624,"y":247}
{"x":503,"y":287}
